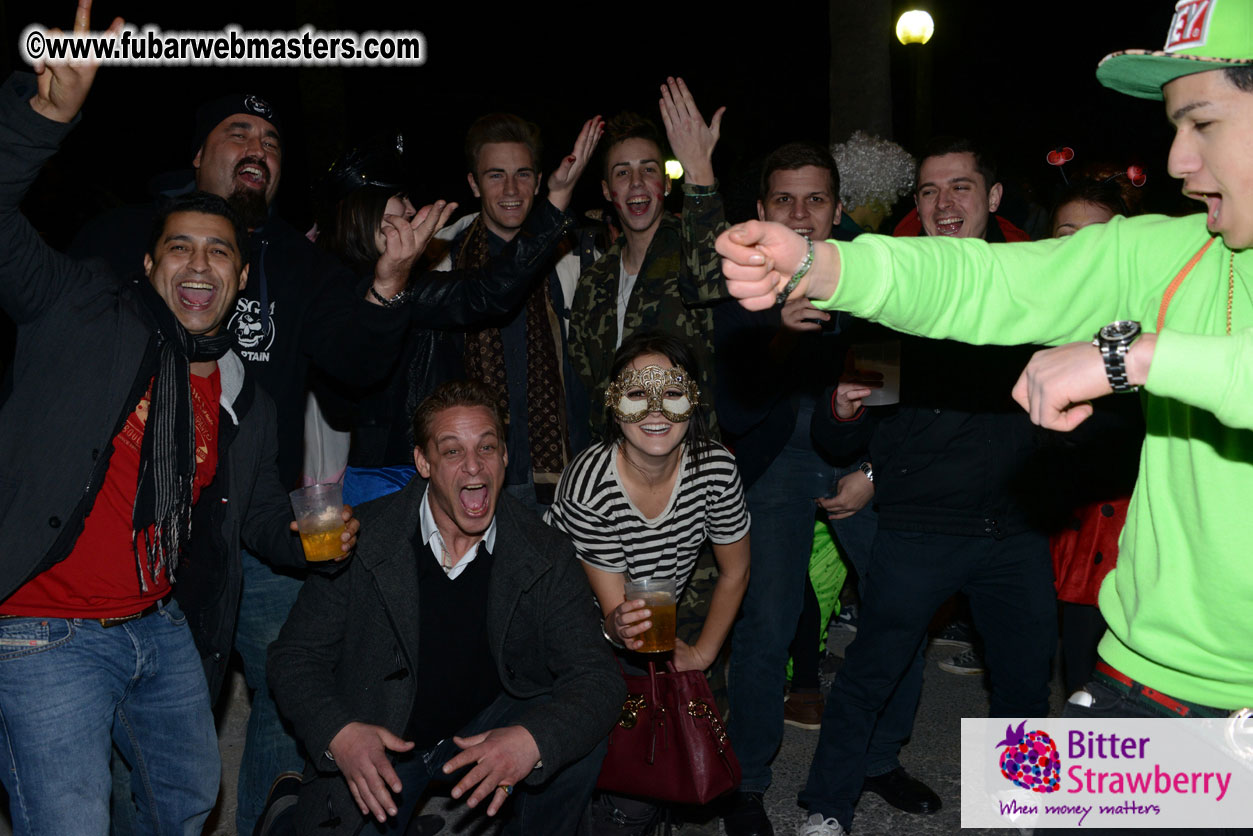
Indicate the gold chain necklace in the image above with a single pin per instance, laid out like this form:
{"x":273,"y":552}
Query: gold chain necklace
{"x":1231,"y":288}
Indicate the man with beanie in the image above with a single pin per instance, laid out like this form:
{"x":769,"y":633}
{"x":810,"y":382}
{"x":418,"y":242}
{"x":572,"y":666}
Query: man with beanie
{"x":300,"y":309}
{"x":107,"y":440}
{"x":1160,"y":303}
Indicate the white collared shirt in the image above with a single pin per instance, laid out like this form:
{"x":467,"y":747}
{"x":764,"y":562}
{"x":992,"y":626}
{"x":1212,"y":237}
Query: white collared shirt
{"x":435,"y":541}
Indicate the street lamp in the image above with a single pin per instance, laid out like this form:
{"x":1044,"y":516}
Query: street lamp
{"x":915,"y":27}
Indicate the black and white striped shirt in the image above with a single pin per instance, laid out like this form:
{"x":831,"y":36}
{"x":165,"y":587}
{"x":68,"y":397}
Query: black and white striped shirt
{"x":610,"y":533}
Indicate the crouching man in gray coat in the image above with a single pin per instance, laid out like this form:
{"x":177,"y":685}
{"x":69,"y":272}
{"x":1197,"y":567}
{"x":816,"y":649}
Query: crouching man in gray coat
{"x":463,"y":634}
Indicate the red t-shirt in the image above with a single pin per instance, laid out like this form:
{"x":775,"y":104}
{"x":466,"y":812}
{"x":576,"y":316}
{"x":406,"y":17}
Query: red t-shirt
{"x":99,"y":578}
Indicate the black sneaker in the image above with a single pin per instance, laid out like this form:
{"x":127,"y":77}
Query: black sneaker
{"x":966,"y":663}
{"x":279,"y":803}
{"x":904,"y":792}
{"x":957,"y":634}
{"x":846,"y":620}
{"x":745,"y":815}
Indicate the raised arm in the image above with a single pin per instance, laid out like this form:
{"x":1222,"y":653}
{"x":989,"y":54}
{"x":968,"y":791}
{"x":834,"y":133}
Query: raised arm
{"x":693,"y":141}
{"x":35,"y":115}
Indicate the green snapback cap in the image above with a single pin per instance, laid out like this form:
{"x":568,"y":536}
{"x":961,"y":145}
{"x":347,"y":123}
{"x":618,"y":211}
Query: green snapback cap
{"x":1204,"y":35}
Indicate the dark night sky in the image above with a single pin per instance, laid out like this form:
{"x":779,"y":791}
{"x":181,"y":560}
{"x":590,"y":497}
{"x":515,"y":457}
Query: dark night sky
{"x":1020,"y":75}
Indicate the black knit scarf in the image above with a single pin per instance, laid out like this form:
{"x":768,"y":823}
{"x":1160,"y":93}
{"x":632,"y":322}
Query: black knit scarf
{"x":167,"y":457}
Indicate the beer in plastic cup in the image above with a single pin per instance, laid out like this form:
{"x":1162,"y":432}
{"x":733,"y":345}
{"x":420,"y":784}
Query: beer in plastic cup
{"x":884,"y":358}
{"x":319,"y":518}
{"x":659,"y":597}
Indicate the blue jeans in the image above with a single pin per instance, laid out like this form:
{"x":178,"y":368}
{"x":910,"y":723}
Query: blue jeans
{"x":1010,"y":586}
{"x":781,"y":504}
{"x":71,"y":689}
{"x":268,"y":746}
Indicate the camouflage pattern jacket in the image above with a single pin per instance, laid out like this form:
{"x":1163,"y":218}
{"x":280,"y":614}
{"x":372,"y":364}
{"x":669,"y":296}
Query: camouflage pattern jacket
{"x":679,"y":283}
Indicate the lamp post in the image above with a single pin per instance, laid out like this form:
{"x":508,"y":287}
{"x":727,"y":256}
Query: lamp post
{"x":916,"y":27}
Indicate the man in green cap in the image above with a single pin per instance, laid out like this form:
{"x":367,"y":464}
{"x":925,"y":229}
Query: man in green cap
{"x":1170,"y":301}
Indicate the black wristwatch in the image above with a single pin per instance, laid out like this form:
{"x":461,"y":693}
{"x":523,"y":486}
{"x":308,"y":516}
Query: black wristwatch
{"x":1114,"y":340}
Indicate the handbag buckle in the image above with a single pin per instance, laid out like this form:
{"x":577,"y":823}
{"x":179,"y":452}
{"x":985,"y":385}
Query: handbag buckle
{"x":634,"y":704}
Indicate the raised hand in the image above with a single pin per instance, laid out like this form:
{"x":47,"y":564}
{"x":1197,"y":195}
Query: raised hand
{"x":62,"y":87}
{"x":690,"y":138}
{"x":406,"y":240}
{"x":562,"y":181}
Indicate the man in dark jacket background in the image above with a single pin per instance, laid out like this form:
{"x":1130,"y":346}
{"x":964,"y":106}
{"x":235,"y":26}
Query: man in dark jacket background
{"x":955,"y":501}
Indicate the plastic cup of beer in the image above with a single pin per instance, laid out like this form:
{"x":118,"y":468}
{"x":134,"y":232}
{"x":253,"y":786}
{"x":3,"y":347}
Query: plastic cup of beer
{"x":659,"y":597}
{"x":319,"y":518}
{"x":884,"y":358}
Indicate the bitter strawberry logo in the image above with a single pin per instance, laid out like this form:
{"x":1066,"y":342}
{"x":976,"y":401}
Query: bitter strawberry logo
{"x":1030,"y":759}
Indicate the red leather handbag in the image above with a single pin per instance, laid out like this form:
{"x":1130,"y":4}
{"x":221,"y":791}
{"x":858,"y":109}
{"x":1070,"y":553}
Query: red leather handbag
{"x":669,"y":744}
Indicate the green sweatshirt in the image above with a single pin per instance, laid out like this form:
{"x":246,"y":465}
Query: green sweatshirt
{"x":1180,"y":602}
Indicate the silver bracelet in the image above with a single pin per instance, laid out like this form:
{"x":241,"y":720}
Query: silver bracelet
{"x":605,"y":632}
{"x":399,"y":299}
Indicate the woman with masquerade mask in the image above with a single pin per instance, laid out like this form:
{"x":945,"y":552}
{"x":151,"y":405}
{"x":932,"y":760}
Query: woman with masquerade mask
{"x":641,"y":504}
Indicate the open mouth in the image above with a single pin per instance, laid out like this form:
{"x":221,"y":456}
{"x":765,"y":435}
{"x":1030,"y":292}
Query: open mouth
{"x":196,"y":295}
{"x":510,"y":205}
{"x":638,"y":205}
{"x":255,"y":175}
{"x":1213,"y":207}
{"x":655,"y":429}
{"x":475,"y":499}
{"x":807,"y":231}
{"x":948,"y":226}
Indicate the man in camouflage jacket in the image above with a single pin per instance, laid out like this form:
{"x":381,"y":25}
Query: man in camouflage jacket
{"x":662,"y":273}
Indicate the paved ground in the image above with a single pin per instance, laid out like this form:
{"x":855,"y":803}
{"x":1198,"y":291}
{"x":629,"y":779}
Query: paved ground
{"x":931,"y":756}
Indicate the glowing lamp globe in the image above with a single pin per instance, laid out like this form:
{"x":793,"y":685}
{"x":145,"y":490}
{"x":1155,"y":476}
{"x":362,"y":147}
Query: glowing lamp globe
{"x":915,"y":27}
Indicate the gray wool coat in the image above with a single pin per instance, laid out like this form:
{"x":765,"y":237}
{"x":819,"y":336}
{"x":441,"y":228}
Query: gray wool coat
{"x":348,"y":651}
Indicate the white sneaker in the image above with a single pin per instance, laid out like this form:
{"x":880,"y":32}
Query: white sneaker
{"x":816,"y":825}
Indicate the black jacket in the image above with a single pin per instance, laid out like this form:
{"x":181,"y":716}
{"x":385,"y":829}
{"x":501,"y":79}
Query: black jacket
{"x":348,"y":651}
{"x":81,"y":338}
{"x":957,"y":455}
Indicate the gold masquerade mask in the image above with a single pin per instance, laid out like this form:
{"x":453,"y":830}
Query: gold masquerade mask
{"x":638,"y":392}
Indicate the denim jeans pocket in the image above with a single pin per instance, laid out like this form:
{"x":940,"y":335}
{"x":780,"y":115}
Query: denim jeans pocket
{"x":24,"y":636}
{"x":172,"y":613}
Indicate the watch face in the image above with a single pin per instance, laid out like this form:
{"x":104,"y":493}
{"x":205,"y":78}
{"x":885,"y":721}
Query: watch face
{"x":1119,"y":331}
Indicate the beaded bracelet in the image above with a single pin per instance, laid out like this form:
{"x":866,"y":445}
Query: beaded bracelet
{"x":798,"y":275}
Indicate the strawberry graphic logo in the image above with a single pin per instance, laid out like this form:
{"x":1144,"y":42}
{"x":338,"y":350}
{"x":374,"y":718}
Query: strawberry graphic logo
{"x":1030,"y":759}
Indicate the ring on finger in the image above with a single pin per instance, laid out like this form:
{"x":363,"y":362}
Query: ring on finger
{"x":508,"y":788}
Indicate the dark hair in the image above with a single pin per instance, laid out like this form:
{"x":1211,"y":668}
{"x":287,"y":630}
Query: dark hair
{"x":677,"y":352}
{"x":1105,"y":193}
{"x":796,"y":155}
{"x":1241,"y":77}
{"x":352,"y":225}
{"x":451,"y":394}
{"x":203,"y":203}
{"x":943,"y":145}
{"x":628,"y":125}
{"x":501,"y":127}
